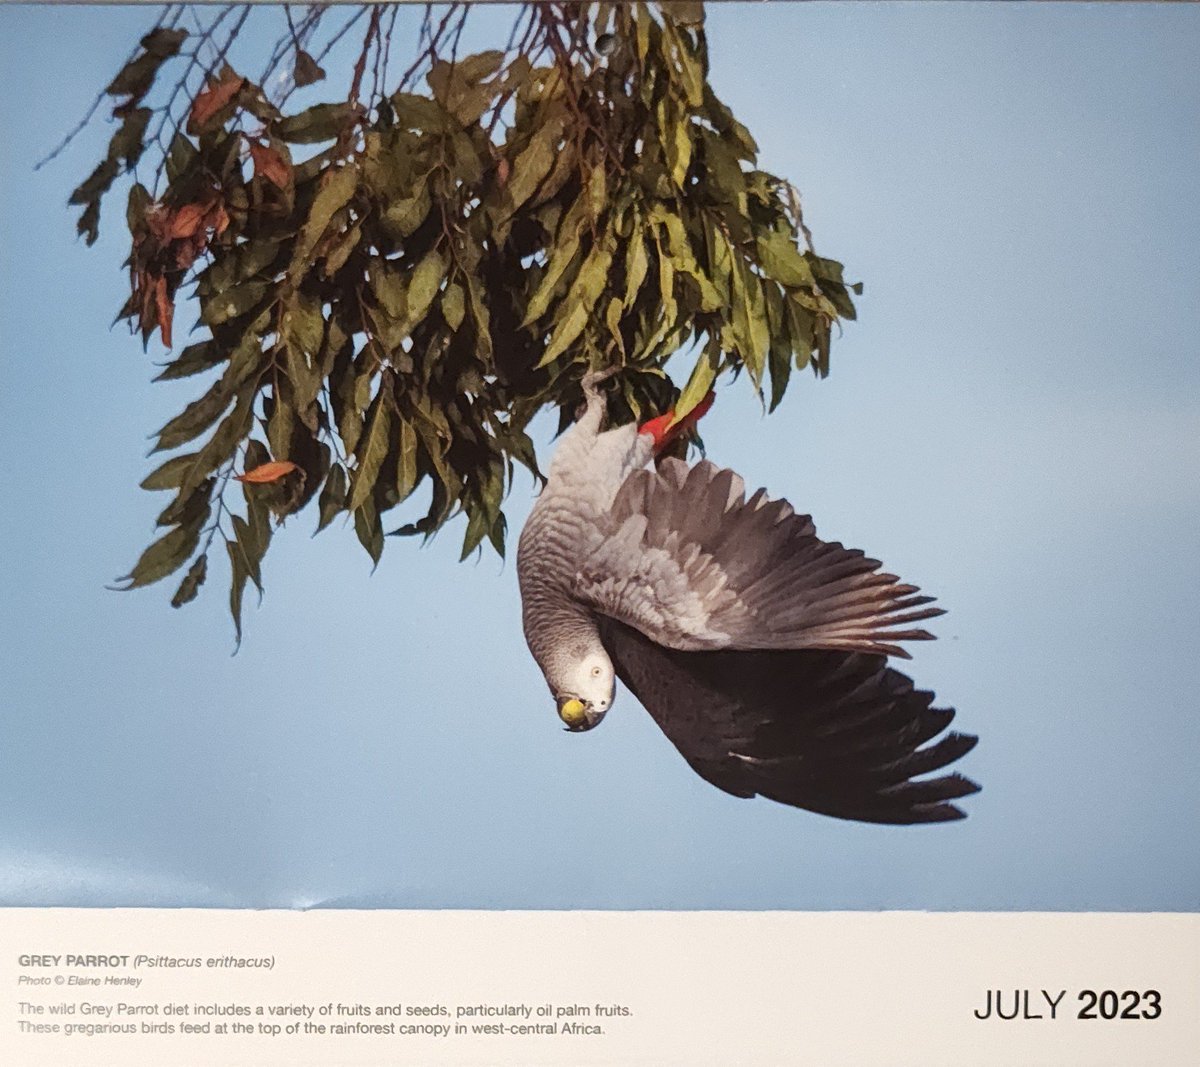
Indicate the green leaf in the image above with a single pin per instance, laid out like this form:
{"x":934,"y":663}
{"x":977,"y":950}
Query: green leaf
{"x":589,"y":284}
{"x":164,"y":556}
{"x":669,"y":305}
{"x":479,"y":66}
{"x":760,"y":333}
{"x":237,"y":584}
{"x":701,"y":381}
{"x":534,"y":163}
{"x":407,"y":472}
{"x":197,"y":417}
{"x":127,"y":143}
{"x":560,"y":259}
{"x":482,"y":318}
{"x":783,"y":261}
{"x":477,"y":529}
{"x":321,"y":122}
{"x":171,"y":474}
{"x":304,"y":332}
{"x":96,"y":183}
{"x":636,"y":264}
{"x":192,"y":582}
{"x":163,"y":42}
{"x":247,"y":357}
{"x":690,"y":71}
{"x":191,"y":505}
{"x":390,"y":290}
{"x":454,"y":306}
{"x":416,"y":112}
{"x":306,"y":71}
{"x":221,"y":445}
{"x":136,"y":77}
{"x":402,"y":217}
{"x":369,"y":529}
{"x":225,"y":306}
{"x":612,"y":317}
{"x":333,"y":496}
{"x":180,"y":157}
{"x":726,"y":182}
{"x":280,"y":427}
{"x":338,"y":185}
{"x":497,"y":534}
{"x":371,"y":453}
{"x":825,"y":269}
{"x":251,"y":548}
{"x":342,"y":249}
{"x":423,"y":287}
{"x":136,"y":207}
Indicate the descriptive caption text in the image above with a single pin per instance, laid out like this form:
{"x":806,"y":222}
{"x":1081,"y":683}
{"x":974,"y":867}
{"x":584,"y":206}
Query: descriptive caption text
{"x":90,"y":982}
{"x":88,"y":1018}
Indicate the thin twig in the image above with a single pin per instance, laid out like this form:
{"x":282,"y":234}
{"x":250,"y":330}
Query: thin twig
{"x":98,"y":101}
{"x":361,"y":65}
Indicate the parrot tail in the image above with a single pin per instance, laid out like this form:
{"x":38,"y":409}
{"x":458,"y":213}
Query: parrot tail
{"x":663,"y":429}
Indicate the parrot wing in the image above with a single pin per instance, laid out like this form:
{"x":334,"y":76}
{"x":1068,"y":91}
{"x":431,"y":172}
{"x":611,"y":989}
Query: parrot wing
{"x":838,"y":733}
{"x":683,"y":557}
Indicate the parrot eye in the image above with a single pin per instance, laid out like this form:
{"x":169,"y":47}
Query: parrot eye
{"x":596,"y":671}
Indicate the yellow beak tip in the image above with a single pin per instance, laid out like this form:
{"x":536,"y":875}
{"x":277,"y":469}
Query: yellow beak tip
{"x":573,"y":712}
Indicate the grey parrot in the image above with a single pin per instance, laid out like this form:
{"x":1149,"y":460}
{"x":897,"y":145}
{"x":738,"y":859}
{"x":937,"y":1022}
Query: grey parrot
{"x":760,"y":650}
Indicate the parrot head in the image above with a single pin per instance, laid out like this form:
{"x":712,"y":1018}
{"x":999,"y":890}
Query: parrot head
{"x":585,"y":697}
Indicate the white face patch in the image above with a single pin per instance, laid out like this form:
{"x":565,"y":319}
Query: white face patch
{"x":593,"y":681}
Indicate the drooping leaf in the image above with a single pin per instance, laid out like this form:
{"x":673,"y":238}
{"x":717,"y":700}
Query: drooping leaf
{"x":306,"y":71}
{"x":164,"y":556}
{"x":197,"y":417}
{"x":589,"y":284}
{"x":423,"y":286}
{"x":406,"y":461}
{"x":337,"y":187}
{"x":333,"y":496}
{"x":371,"y":453}
{"x":171,"y":474}
{"x":698,"y":384}
{"x":783,"y":261}
{"x":192,"y":581}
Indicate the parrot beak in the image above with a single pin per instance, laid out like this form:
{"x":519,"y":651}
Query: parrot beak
{"x":577,"y":715}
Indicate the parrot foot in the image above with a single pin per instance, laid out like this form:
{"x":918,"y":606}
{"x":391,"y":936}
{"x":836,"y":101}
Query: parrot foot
{"x":592,"y":394}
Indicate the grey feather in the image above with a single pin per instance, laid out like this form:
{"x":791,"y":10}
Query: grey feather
{"x":748,"y":574}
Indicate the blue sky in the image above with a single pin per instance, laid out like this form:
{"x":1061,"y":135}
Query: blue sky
{"x":1013,"y":424}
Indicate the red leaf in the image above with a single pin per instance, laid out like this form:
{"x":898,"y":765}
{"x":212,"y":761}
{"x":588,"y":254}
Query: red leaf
{"x":268,"y":472}
{"x":217,"y":219}
{"x":186,"y":221}
{"x":165,"y":309}
{"x":270,"y":164}
{"x":214,"y":97}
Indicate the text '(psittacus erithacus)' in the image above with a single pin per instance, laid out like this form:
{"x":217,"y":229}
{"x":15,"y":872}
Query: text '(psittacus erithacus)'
{"x":760,"y":650}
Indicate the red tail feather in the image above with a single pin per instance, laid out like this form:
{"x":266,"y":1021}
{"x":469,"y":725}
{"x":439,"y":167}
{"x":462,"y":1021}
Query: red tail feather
{"x":663,"y":433}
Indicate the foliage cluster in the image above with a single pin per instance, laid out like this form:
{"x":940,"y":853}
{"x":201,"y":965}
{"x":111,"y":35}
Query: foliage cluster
{"x":393,"y":283}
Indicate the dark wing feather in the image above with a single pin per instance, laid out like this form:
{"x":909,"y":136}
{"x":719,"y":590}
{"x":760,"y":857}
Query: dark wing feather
{"x":839,"y":733}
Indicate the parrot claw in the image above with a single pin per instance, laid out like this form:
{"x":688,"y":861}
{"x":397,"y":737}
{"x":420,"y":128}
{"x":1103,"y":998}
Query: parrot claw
{"x":592,"y":395}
